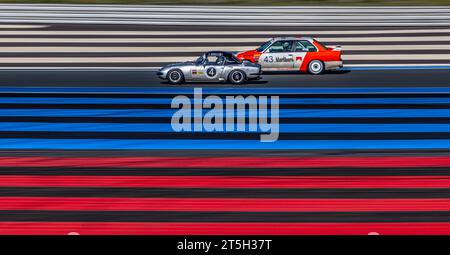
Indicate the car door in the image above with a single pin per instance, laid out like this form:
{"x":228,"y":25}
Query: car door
{"x":214,"y":68}
{"x":278,"y":56}
{"x":197,"y":70}
{"x":301,"y":48}
{"x":209,"y":70}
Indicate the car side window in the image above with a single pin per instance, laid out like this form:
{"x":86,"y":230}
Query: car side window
{"x":216,"y":60}
{"x":281,"y":46}
{"x":220,"y":60}
{"x":304,"y":46}
{"x":211,"y":60}
{"x":230,"y":61}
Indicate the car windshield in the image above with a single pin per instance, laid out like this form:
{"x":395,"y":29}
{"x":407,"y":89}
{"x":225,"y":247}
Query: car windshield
{"x":199,"y":60}
{"x":231,"y":59}
{"x":264,"y":46}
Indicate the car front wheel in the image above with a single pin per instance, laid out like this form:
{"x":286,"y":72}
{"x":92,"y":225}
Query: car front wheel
{"x":175,"y":76}
{"x":237,"y":77}
{"x":316,"y":67}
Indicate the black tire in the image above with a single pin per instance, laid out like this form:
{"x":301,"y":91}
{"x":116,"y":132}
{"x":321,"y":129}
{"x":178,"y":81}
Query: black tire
{"x":316,"y":67}
{"x":175,"y":76}
{"x":237,"y":77}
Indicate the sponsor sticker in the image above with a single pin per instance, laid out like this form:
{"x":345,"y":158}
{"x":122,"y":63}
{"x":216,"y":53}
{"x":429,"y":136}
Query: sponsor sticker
{"x":197,"y":72}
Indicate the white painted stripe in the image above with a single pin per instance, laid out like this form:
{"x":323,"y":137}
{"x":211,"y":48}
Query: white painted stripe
{"x":201,"y":13}
{"x":202,"y":40}
{"x":296,"y":17}
{"x":31,"y":60}
{"x":16,"y":26}
{"x":129,"y":40}
{"x":120,"y":49}
{"x":246,"y":9}
{"x":397,"y":47}
{"x":219,"y":33}
{"x":225,"y":23}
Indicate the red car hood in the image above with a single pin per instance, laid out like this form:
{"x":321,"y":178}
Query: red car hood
{"x":248,"y":55}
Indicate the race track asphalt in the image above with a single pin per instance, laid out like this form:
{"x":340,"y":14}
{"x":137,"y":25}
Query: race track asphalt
{"x":144,"y":78}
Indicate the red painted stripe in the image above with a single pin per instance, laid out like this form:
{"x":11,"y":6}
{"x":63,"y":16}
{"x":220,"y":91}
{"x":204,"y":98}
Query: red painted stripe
{"x":223,"y":205}
{"x":227,"y":182}
{"x":143,"y":228}
{"x":235,"y":162}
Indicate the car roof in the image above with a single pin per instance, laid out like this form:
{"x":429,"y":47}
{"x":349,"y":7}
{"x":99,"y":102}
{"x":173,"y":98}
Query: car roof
{"x":219,"y":52}
{"x":292,"y":38}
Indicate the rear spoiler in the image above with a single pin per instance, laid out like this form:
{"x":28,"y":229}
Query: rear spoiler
{"x":335,"y":48}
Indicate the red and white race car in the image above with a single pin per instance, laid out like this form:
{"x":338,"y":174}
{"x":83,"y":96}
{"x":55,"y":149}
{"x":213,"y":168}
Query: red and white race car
{"x":295,"y":53}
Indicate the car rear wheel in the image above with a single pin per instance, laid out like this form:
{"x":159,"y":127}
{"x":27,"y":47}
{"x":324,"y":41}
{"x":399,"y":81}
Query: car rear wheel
{"x":316,"y":67}
{"x":237,"y":77}
{"x":175,"y":76}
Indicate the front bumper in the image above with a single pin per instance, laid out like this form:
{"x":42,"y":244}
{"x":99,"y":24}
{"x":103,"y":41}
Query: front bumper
{"x":254,"y":76}
{"x":161,"y":75}
{"x":333,"y":65}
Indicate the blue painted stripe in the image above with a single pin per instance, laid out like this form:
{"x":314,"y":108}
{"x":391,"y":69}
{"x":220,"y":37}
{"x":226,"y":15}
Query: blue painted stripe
{"x":166,"y":127}
{"x":300,"y":101}
{"x":112,"y":144}
{"x":310,"y":113}
{"x":241,"y":90}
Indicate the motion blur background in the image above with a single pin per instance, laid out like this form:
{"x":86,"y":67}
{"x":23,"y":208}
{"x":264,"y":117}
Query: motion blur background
{"x":244,"y":2}
{"x":86,"y":144}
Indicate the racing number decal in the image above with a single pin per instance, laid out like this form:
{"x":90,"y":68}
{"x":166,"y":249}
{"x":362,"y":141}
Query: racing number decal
{"x":268,"y":59}
{"x":211,"y":72}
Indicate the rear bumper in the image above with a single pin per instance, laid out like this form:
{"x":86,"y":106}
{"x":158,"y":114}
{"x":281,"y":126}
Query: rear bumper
{"x":333,"y":65}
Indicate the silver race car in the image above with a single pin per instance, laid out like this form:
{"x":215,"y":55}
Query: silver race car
{"x":217,"y":66}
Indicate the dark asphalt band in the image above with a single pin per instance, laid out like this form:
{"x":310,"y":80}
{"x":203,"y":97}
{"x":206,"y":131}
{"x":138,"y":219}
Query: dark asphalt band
{"x":351,"y":120}
{"x":182,"y":54}
{"x":224,"y":153}
{"x":148,"y":79}
{"x":338,"y":171}
{"x":205,"y":94}
{"x":160,"y":64}
{"x":221,"y":136}
{"x":147,"y":216}
{"x":282,"y":106}
{"x":223,"y":193}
